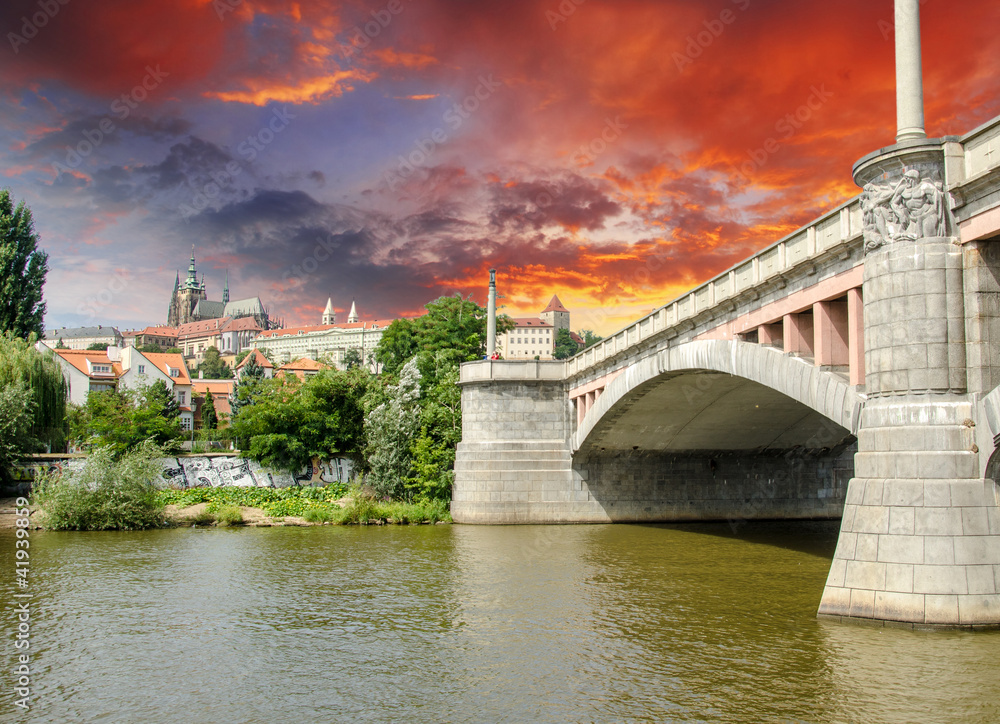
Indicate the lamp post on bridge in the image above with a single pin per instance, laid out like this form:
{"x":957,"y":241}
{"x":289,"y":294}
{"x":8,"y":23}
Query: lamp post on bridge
{"x":491,"y":316}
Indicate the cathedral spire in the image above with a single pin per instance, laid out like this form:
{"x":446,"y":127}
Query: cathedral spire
{"x":329,"y":316}
{"x":353,"y":316}
{"x":225,"y":292}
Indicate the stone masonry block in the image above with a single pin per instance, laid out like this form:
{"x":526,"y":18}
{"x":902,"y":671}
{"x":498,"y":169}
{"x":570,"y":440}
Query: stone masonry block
{"x":938,"y":521}
{"x":900,"y":549}
{"x":892,"y":606}
{"x":865,"y":574}
{"x":982,"y":580}
{"x":901,"y":521}
{"x":973,"y":550}
{"x":975,"y":521}
{"x":899,"y":577}
{"x":903,"y":493}
{"x":939,"y":550}
{"x":871,"y":519}
{"x":838,"y":569}
{"x":873,"y":492}
{"x":863,"y":603}
{"x":940,"y":580}
{"x":846,"y":546}
{"x":836,"y":601}
{"x":937,"y":493}
{"x":867,"y":548}
{"x":979,"y":609}
{"x":940,"y":609}
{"x":967,"y":493}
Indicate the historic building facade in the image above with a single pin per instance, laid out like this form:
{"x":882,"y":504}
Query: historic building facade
{"x":189,"y":302}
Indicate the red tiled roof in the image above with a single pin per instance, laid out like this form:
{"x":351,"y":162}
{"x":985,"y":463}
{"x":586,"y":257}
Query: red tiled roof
{"x":241,"y":324}
{"x":555,"y":306}
{"x":164,"y":361}
{"x":272,"y":333}
{"x":261,"y":360}
{"x":304,"y":364}
{"x":218,"y":389}
{"x":79,"y":358}
{"x":206,"y":325}
{"x":530,"y":322}
{"x":159,"y":332}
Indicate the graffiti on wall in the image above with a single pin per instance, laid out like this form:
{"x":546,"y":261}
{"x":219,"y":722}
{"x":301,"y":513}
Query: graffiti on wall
{"x":205,"y":472}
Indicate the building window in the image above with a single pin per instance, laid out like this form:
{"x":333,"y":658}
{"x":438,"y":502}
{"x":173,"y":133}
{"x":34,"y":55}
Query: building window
{"x":142,"y":369}
{"x":180,"y":397}
{"x":185,"y":422}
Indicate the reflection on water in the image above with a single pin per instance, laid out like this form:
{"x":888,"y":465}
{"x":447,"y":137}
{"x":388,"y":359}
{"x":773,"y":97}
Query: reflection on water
{"x":470,"y":624}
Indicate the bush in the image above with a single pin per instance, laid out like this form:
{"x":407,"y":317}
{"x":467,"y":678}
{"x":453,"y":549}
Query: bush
{"x":229,"y":515}
{"x":105,"y":494}
{"x":317,"y":515}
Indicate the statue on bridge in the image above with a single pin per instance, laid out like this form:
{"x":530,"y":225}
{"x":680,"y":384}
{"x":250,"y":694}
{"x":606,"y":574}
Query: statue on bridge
{"x":911,"y":210}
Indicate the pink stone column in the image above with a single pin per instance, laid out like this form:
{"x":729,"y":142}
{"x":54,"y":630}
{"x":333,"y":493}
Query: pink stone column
{"x":830,"y":332}
{"x":856,"y":335}
{"x":770,"y":334}
{"x":798,"y":334}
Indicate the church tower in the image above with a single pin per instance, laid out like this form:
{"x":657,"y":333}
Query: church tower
{"x":352,"y":318}
{"x":329,"y":316}
{"x":186,"y":296}
{"x":556,"y":314}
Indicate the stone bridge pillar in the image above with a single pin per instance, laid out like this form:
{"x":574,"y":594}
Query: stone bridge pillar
{"x":920,"y":536}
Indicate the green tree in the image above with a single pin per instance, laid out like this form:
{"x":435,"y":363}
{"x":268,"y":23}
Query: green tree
{"x":42,"y":375}
{"x":352,"y":359}
{"x":98,"y":346}
{"x":565,"y":345}
{"x":290,"y":423}
{"x":16,"y":418}
{"x":121,"y":419}
{"x":245,"y":390}
{"x":150,"y":349}
{"x":158,"y":394}
{"x":212,"y":366}
{"x":61,"y":345}
{"x":397,"y":346}
{"x":390,"y":431}
{"x":209,"y":418}
{"x":589,"y":338}
{"x":174,"y":350}
{"x":242,"y":356}
{"x":22,"y":270}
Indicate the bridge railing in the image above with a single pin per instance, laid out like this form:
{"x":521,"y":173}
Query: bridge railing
{"x":833,"y":229}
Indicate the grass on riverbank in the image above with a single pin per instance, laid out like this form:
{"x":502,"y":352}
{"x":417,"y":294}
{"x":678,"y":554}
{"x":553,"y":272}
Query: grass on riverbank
{"x":335,"y":504}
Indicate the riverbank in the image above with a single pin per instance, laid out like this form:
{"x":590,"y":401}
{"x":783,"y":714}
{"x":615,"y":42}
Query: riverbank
{"x":204,"y":514}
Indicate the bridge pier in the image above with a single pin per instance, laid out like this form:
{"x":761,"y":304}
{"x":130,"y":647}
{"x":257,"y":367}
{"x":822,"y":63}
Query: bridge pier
{"x":920,"y":534}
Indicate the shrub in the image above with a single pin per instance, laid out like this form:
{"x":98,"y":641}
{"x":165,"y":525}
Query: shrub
{"x":317,"y":515}
{"x":229,"y":515}
{"x":203,"y":517}
{"x":105,"y":494}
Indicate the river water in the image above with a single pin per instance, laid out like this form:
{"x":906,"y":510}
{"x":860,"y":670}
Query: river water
{"x":693,"y":623}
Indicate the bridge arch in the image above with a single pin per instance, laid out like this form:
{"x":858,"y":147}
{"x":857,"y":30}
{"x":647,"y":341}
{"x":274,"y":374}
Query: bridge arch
{"x":795,"y":378}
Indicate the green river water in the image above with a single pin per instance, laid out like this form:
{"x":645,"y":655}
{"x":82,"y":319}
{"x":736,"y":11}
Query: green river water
{"x":693,"y":623}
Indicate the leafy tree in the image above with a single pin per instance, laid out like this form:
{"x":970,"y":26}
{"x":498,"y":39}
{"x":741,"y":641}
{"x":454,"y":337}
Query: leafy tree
{"x":291,"y":423}
{"x":150,"y":349}
{"x":245,"y":390}
{"x":22,"y":270}
{"x":242,"y":356}
{"x":209,"y":418}
{"x":16,"y":418}
{"x":565,"y":345}
{"x":390,"y":431}
{"x":159,"y":395}
{"x":121,"y":419}
{"x":589,"y":338}
{"x":61,"y":345}
{"x":397,"y":346}
{"x":352,"y":359}
{"x":174,"y":350}
{"x":212,"y":366}
{"x":440,"y":432}
{"x":98,"y":346}
{"x":42,"y":375}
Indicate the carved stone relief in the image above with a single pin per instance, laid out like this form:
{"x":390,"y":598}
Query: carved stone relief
{"x":911,"y":208}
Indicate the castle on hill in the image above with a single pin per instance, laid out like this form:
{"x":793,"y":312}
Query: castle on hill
{"x":189,"y":302}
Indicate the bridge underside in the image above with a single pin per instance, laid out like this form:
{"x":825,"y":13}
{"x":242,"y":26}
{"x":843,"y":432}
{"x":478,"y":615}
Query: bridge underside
{"x":711,"y":446}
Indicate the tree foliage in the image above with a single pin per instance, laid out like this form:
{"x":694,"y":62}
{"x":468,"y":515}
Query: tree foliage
{"x":16,"y":418}
{"x":352,"y":359}
{"x":212,"y":367}
{"x":390,"y":429}
{"x":289,"y":423}
{"x":209,"y":417}
{"x":566,"y":347}
{"x":41,"y":374}
{"x":589,"y":338}
{"x":22,"y":270}
{"x":121,"y":419}
{"x":97,"y":346}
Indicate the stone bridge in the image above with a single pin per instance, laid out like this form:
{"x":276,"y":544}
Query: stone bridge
{"x":849,"y":370}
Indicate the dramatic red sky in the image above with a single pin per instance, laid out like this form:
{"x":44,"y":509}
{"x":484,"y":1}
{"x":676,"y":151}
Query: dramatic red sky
{"x":610,"y":151}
